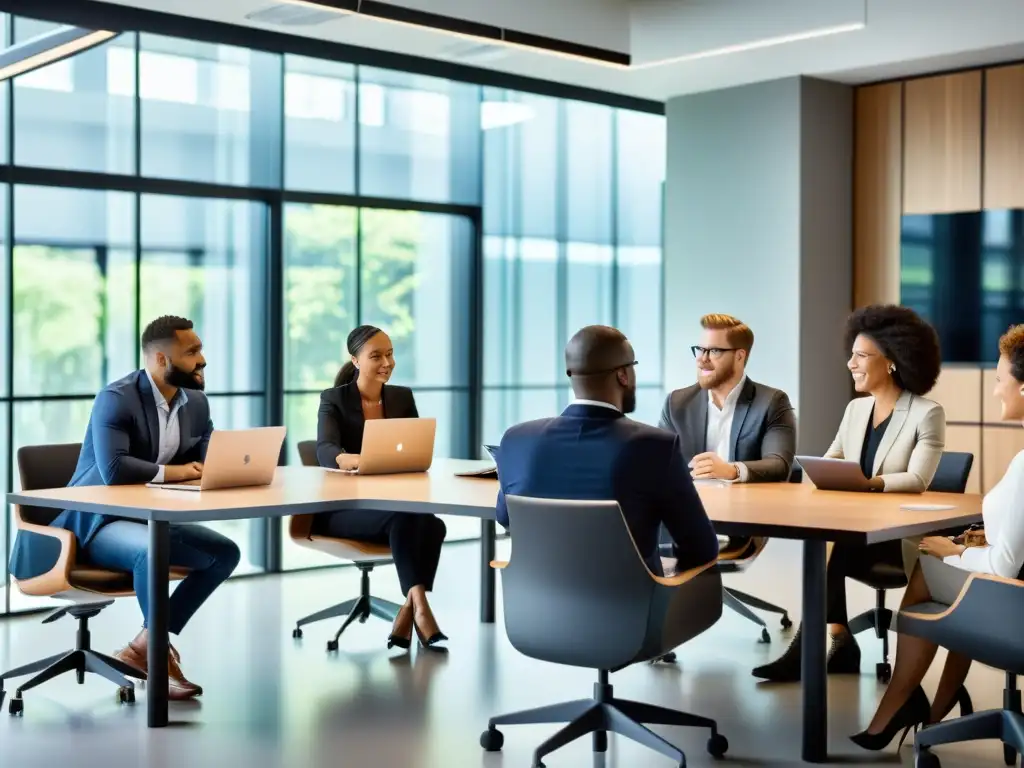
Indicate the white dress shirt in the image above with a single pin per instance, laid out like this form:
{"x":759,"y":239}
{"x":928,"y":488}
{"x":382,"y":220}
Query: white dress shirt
{"x":1002,"y":511}
{"x":718,"y":438}
{"x":167,"y":419}
{"x":596,"y":403}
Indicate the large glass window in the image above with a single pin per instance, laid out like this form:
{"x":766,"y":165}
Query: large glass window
{"x":77,"y":113}
{"x":278,"y":201}
{"x":419,"y":137}
{"x":572,"y":237}
{"x":209,"y":112}
{"x":320,"y":125}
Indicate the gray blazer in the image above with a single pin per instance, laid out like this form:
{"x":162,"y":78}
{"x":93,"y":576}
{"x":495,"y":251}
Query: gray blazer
{"x":763,"y":428}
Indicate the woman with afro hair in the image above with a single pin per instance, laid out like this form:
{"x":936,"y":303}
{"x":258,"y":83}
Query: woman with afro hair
{"x":897,"y":435}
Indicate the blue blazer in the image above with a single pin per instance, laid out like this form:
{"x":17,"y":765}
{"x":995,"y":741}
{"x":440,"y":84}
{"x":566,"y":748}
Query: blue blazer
{"x":595,"y":453}
{"x":121,"y":446}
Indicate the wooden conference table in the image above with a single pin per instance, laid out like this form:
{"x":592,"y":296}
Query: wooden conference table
{"x":784,"y":510}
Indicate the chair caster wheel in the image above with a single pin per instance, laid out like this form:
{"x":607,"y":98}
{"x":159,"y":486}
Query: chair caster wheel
{"x":16,"y":707}
{"x":765,"y":637}
{"x":926,"y":759}
{"x":297,"y":633}
{"x":786,"y":623}
{"x":492,"y":740}
{"x":669,"y":658}
{"x":718,"y":745}
{"x":883,"y":671}
{"x":332,"y":646}
{"x":1009,"y":755}
{"x":125,"y":695}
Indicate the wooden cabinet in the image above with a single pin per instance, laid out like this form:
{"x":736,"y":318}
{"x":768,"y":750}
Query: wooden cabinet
{"x":942,"y":143}
{"x":967,"y":439}
{"x":1004,"y":137}
{"x":958,"y":391}
{"x":999,"y":446}
{"x":878,"y":149}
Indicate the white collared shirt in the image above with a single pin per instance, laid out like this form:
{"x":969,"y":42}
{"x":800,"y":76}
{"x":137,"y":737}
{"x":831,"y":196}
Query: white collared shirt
{"x":718,"y":437}
{"x":595,"y":403}
{"x":167,"y":421}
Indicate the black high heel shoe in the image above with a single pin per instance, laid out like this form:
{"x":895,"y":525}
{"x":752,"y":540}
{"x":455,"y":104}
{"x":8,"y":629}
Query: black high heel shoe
{"x":430,"y":643}
{"x":962,"y":698}
{"x":915,"y":712}
{"x":401,"y":641}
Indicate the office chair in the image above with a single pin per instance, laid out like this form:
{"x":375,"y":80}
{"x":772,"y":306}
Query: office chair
{"x":52,"y":466}
{"x":985,"y":623}
{"x":950,"y":477}
{"x":577,"y":592}
{"x":363,"y":554}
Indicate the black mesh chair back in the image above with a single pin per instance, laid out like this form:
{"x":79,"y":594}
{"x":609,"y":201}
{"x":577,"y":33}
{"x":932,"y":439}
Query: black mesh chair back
{"x":952,"y":473}
{"x":307,"y":453}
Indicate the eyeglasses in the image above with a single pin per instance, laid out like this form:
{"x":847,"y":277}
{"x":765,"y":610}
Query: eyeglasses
{"x":604,"y":370}
{"x":713,"y":352}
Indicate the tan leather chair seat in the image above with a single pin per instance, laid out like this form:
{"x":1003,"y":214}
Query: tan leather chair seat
{"x":347,"y":549}
{"x":105,"y":582}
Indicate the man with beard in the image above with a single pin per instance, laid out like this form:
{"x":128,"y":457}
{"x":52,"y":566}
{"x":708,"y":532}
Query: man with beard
{"x":151,"y":426}
{"x":730,"y":427}
{"x":592,"y":451}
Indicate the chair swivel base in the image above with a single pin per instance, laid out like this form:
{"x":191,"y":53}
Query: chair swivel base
{"x":358,"y":609}
{"x":80,"y":661}
{"x":599,"y":716}
{"x":878,"y":619}
{"x":1003,"y":724}
{"x":738,"y":602}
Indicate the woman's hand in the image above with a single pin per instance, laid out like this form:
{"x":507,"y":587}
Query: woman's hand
{"x":940,"y":546}
{"x":348,"y":461}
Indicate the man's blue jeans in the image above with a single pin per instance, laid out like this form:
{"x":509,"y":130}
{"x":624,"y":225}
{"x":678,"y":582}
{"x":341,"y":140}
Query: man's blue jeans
{"x":123,"y":545}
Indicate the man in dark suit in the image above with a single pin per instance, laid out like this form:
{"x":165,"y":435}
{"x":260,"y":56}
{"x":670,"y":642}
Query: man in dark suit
{"x":592,"y":451}
{"x":730,"y":427}
{"x":151,"y":426}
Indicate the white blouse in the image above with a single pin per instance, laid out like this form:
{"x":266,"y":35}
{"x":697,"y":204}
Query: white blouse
{"x":1003,"y":513}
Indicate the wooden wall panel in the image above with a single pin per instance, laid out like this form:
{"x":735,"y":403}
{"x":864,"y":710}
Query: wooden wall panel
{"x":1004,"y":137}
{"x":877,"y":191}
{"x":942,"y":143}
{"x":990,"y":408}
{"x":958,"y":391}
{"x":967,"y":438}
{"x":999,"y":446}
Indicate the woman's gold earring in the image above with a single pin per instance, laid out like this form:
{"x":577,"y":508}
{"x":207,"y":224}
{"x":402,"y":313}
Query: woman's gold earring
{"x":892,"y":368}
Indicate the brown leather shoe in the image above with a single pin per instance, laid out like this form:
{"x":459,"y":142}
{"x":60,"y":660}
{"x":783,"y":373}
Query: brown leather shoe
{"x":179,"y":688}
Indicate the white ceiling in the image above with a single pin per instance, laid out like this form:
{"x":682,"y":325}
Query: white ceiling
{"x":899,"y":37}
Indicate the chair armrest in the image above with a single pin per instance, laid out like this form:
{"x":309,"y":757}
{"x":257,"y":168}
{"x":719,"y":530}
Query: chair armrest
{"x":685,"y":576}
{"x":54,"y":580}
{"x":973,"y":589}
{"x":498,"y":564}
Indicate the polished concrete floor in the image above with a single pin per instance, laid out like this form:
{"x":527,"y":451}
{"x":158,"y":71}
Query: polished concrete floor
{"x":271,"y":701}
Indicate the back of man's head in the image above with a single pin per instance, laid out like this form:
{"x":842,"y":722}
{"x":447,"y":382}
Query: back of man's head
{"x":162,"y":332}
{"x":595,"y":359}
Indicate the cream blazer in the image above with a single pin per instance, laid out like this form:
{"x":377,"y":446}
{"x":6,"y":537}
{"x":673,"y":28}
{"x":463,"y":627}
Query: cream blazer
{"x":909,"y":453}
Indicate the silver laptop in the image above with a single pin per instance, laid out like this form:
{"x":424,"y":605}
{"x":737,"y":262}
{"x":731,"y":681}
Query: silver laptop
{"x":393,"y":446}
{"x":236,"y":459}
{"x":834,"y":474}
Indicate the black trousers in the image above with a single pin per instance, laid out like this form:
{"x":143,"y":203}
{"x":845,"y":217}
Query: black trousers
{"x":849,"y":560}
{"x":415,"y":540}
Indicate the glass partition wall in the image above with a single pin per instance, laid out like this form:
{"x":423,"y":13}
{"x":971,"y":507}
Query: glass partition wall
{"x":278,"y":201}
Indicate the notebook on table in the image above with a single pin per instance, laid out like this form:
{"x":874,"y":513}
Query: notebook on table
{"x":486,"y":472}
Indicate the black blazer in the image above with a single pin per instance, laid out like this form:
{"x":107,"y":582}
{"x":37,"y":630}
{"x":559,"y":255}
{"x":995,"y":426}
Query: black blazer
{"x":340,"y":421}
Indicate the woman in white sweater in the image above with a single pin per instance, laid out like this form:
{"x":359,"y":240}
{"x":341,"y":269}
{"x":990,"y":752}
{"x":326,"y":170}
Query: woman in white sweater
{"x":943,"y":570}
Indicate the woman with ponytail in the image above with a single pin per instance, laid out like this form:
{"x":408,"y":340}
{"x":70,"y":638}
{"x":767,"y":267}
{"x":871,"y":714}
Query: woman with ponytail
{"x":361,"y":392}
